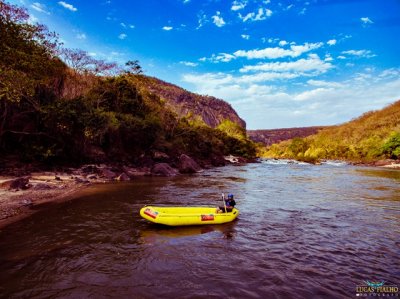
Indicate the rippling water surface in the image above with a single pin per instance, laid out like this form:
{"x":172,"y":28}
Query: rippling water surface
{"x":304,"y":232}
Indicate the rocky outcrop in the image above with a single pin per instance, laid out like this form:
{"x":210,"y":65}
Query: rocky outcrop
{"x":209,"y":109}
{"x":21,"y":183}
{"x":187,"y":164}
{"x":269,"y":137}
{"x":163,"y":169}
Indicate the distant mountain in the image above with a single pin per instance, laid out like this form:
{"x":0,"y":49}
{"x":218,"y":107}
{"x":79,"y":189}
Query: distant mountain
{"x":269,"y":137}
{"x":209,"y":109}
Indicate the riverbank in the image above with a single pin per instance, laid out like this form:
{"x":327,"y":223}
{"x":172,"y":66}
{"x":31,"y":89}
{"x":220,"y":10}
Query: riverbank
{"x":21,"y":196}
{"x":25,"y":189}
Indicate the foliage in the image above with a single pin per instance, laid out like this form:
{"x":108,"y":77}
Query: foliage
{"x":372,"y":136}
{"x":391,"y":147}
{"x":85,"y":109}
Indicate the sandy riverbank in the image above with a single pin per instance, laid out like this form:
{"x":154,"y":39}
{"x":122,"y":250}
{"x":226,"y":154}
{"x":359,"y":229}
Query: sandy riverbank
{"x":20,"y":197}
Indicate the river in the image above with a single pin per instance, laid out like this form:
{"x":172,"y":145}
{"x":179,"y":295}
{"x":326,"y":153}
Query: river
{"x":304,"y":231}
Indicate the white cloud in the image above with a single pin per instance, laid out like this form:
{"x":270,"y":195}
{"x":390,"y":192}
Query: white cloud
{"x":40,"y":7}
{"x":262,"y":14}
{"x":202,"y":20}
{"x":289,"y":7}
{"x":67,"y":6}
{"x":322,"y":103}
{"x":167,"y":28}
{"x":273,"y":53}
{"x":238,"y":5}
{"x":390,"y":73}
{"x":366,"y":21}
{"x":331,"y":42}
{"x":123,"y":24}
{"x":283,"y":43}
{"x":218,"y":20}
{"x":245,"y":36}
{"x":321,"y":83}
{"x":360,"y":53}
{"x":122,"y":36}
{"x":187,"y":63}
{"x":267,"y":53}
{"x":270,"y":40}
{"x":303,"y":11}
{"x":311,"y":64}
{"x":81,"y":36}
{"x":328,"y":57}
{"x":311,"y":94}
{"x":221,"y":57}
{"x":186,"y":1}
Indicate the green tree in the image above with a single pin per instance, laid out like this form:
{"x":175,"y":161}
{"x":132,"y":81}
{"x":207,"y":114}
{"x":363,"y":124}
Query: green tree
{"x":28,"y":64}
{"x":391,"y":147}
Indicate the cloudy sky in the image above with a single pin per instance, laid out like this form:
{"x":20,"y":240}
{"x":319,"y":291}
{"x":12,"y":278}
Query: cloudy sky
{"x":278,"y":63}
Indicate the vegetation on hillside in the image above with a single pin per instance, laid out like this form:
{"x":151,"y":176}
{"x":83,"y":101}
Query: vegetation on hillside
{"x":62,"y":106}
{"x":374,"y":135}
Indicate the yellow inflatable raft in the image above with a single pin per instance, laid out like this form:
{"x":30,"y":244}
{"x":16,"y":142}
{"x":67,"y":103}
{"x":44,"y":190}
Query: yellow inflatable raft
{"x":177,"y":216}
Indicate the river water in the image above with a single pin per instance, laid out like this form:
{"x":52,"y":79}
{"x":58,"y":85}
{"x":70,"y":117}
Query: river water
{"x":304,"y":231}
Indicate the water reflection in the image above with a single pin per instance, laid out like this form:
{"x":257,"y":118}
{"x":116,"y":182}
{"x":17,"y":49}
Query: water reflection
{"x":157,"y":233}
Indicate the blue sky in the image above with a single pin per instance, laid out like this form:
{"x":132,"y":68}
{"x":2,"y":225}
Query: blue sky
{"x":278,"y":63}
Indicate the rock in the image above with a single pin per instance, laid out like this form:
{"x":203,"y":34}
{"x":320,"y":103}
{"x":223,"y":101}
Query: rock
{"x":108,"y":174}
{"x":163,"y":169}
{"x":123,"y":177}
{"x":26,"y":202}
{"x":129,"y":171}
{"x":92,"y":177}
{"x":218,"y":161}
{"x":90,"y":169}
{"x":145,"y":161}
{"x":81,"y":180}
{"x":384,"y":162}
{"x":57,"y":178}
{"x":17,"y":184}
{"x":42,"y":186}
{"x":187,"y":165}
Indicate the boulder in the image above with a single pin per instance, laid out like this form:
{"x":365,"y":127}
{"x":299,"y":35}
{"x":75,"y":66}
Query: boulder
{"x":90,"y":169}
{"x":108,"y":174}
{"x":123,"y":177}
{"x":41,"y":186}
{"x":21,"y":183}
{"x":80,"y":180}
{"x":163,"y":169}
{"x":187,"y":165}
{"x":218,"y":161}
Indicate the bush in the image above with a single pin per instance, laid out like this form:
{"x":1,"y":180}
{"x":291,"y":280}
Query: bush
{"x":391,"y":147}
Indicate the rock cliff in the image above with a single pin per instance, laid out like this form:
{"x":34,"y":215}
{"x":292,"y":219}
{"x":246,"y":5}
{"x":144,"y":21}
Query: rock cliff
{"x":210,"y":109}
{"x":269,"y":137}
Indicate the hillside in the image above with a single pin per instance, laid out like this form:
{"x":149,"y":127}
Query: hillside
{"x":61,"y":106}
{"x":372,"y":136}
{"x":209,"y":109}
{"x":269,"y":137}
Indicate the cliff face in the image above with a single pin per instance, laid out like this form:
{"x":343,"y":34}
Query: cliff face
{"x":269,"y":137}
{"x":211,"y":110}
